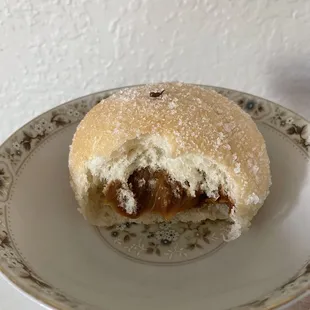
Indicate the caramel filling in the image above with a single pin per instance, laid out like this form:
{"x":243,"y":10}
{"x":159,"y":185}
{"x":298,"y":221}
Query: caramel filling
{"x":156,"y":192}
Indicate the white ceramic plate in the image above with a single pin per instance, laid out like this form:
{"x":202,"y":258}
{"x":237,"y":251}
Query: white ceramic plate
{"x":51,"y":253}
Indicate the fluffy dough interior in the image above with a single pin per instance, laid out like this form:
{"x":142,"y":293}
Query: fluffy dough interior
{"x":193,"y":190}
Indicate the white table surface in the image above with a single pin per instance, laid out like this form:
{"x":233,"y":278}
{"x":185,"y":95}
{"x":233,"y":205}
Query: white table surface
{"x":11,"y":298}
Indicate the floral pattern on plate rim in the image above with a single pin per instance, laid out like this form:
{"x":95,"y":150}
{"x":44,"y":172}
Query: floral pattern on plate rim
{"x":19,"y":146}
{"x":163,"y":243}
